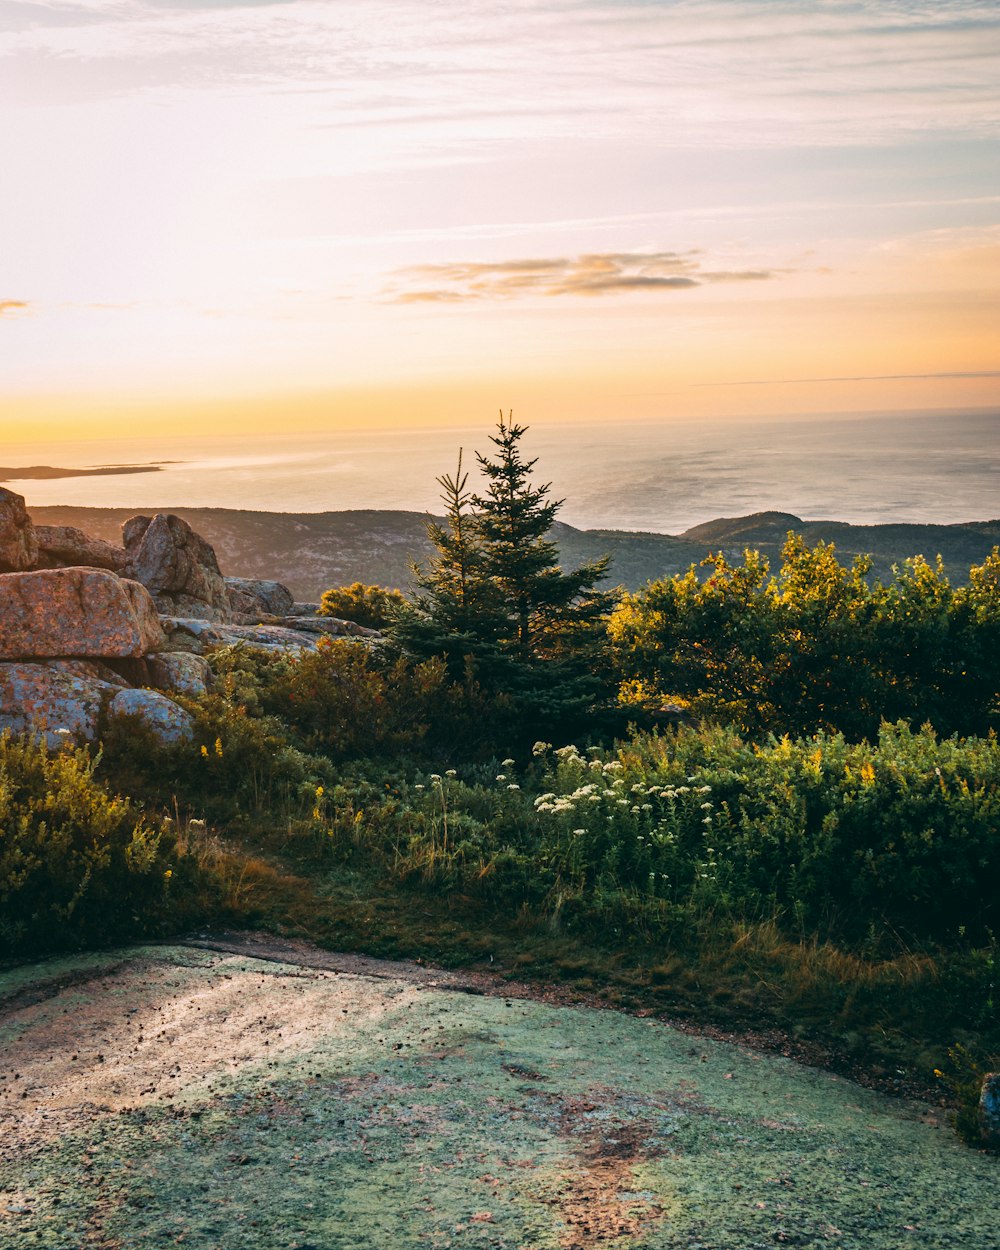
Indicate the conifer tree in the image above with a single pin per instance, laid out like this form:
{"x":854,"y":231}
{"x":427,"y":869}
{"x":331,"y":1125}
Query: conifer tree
{"x":548,"y":611}
{"x":495,"y":602}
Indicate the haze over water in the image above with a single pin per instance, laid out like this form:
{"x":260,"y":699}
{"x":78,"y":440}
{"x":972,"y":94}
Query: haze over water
{"x":665,"y":477}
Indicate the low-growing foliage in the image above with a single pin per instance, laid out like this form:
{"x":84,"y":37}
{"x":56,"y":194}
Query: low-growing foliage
{"x":78,"y":864}
{"x":818,"y":646}
{"x":373,"y":606}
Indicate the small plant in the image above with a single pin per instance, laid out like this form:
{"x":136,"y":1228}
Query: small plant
{"x":372,"y":606}
{"x":962,"y":1076}
{"x":78,"y":864}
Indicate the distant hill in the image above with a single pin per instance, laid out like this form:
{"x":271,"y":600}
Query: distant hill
{"x":311,"y":551}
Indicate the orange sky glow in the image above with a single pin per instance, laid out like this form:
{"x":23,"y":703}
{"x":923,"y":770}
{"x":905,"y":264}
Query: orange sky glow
{"x":307,"y":215}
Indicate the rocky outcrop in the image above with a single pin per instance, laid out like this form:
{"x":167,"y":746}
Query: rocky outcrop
{"x":69,"y":701}
{"x":75,"y":612}
{"x":59,"y":703}
{"x":188,"y":634}
{"x":81,"y":638}
{"x":989,"y":1110}
{"x":177,"y":566}
{"x":180,"y":671}
{"x":169,"y":722}
{"x":252,"y":597}
{"x":18,"y":543}
{"x":276,"y":634}
{"x":62,"y":546}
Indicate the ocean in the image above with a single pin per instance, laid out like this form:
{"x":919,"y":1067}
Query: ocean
{"x":662,"y":477}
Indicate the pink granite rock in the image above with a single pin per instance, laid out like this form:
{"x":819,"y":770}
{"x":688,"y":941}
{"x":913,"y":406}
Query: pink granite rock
{"x":75,"y":612}
{"x":18,"y":544}
{"x":165,"y":718}
{"x":177,"y":566}
{"x":48,"y":700}
{"x":66,"y":546}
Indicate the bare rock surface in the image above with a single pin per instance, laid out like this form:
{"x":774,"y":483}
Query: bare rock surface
{"x":197,"y":636}
{"x":989,"y":1110}
{"x":75,"y":612}
{"x":252,"y":596}
{"x":173,"y":1095}
{"x":61,"y":546}
{"x":177,"y":566}
{"x":18,"y":543}
{"x":167,"y":719}
{"x":179,"y":671}
{"x":332,"y":626}
{"x":55,"y":700}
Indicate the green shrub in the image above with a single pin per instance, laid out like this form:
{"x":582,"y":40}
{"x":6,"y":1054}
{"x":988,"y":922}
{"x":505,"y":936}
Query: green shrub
{"x":373,"y":606}
{"x":77,"y":864}
{"x":839,"y":839}
{"x":817,"y":647}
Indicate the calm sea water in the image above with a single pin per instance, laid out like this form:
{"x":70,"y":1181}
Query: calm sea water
{"x":926,"y":467}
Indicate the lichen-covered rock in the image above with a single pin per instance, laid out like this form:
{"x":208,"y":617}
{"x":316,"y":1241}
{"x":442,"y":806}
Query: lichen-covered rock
{"x":61,"y":546}
{"x":75,"y":612}
{"x":53,"y":700}
{"x":18,"y":543}
{"x":168,"y":721}
{"x":198,"y":636}
{"x":250,"y":596}
{"x":177,"y":566}
{"x":989,"y":1110}
{"x":89,"y":669}
{"x":180,"y":671}
{"x":331,"y":626}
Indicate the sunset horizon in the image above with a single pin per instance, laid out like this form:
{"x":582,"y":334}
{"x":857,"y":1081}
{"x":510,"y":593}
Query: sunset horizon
{"x":304,"y":217}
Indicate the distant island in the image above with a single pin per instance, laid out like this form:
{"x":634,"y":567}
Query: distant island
{"x":312,"y":551}
{"x":43,"y":472}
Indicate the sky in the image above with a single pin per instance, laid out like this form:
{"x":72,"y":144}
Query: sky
{"x":311,"y":214}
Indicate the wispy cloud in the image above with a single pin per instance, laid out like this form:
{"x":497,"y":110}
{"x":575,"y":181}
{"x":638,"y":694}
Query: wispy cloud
{"x":863,"y":377}
{"x":462,"y":66}
{"x":596,"y":273}
{"x":11,"y":307}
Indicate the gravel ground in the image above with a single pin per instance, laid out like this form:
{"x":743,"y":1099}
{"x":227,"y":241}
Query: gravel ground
{"x":274,"y":1096}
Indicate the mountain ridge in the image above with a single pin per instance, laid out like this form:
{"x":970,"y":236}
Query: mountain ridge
{"x":311,"y":551}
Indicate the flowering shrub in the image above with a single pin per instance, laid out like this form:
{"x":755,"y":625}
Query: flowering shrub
{"x":373,"y":606}
{"x":76,"y":863}
{"x":840,"y":840}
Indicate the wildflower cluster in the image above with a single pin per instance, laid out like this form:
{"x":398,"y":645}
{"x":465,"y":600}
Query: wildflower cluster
{"x":619,"y":826}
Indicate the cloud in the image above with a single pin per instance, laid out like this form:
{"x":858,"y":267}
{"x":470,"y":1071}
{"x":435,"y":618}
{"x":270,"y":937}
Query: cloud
{"x":11,"y":307}
{"x":592,"y":274}
{"x":863,"y":377}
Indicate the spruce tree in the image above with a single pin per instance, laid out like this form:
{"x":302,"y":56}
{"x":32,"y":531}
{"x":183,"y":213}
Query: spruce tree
{"x":456,"y":612}
{"x":495,"y":602}
{"x":549,"y":612}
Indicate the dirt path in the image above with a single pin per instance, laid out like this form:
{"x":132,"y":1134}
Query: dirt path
{"x":278,"y":1096}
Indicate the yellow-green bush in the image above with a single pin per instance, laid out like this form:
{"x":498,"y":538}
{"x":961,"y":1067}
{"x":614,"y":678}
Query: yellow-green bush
{"x":77,"y":863}
{"x":372,"y":606}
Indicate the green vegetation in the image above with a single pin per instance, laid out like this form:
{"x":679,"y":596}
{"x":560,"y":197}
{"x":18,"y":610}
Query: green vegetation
{"x":496,"y":606}
{"x":819,"y":854}
{"x":372,"y":606}
{"x":819,"y":646}
{"x":78,"y":865}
